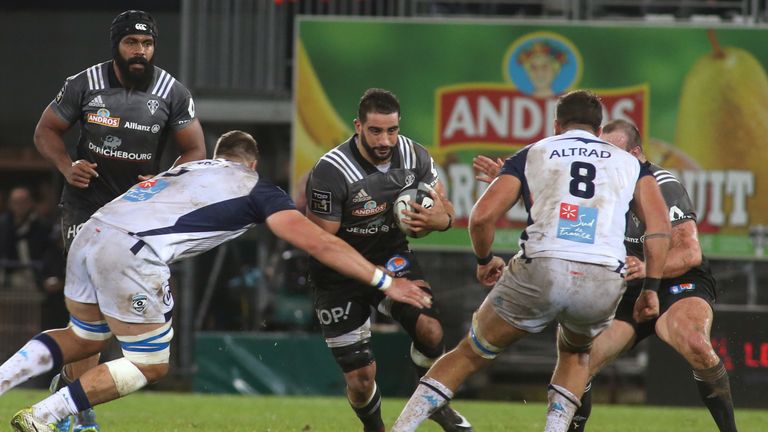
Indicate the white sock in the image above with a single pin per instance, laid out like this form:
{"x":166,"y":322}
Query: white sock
{"x":31,"y":360}
{"x":562,"y":405}
{"x":55,"y":407}
{"x":430,"y":395}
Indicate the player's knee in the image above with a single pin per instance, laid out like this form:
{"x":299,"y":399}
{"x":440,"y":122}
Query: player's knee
{"x":355,"y":356}
{"x":478,"y":344}
{"x":361,"y":381}
{"x":91,"y":336}
{"x":149,"y":352}
{"x":429,"y":334}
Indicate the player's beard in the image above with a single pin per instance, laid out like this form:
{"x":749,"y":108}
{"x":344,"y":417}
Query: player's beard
{"x":136,"y":79}
{"x":376,"y":156}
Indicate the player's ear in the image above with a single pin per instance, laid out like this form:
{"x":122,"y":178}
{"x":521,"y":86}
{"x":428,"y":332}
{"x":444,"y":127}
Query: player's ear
{"x":558,"y":128}
{"x":252,"y":164}
{"x":358,"y":126}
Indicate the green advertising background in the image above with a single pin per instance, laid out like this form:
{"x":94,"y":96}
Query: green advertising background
{"x":414,"y":58}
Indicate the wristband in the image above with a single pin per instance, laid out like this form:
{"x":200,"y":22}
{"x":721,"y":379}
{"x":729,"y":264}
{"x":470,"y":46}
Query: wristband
{"x":381,"y":280}
{"x":651,"y":284}
{"x":486,"y":260}
{"x":450,"y":223}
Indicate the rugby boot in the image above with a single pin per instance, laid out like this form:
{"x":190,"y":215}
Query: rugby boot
{"x":86,"y":422}
{"x":25,"y":421}
{"x":450,"y":420}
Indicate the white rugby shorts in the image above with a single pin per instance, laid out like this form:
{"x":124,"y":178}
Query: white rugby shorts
{"x":582,"y":297}
{"x":101,"y":268}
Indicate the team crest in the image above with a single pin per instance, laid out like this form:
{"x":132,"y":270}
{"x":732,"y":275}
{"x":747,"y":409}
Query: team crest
{"x":153,"y":105}
{"x":139,"y":302}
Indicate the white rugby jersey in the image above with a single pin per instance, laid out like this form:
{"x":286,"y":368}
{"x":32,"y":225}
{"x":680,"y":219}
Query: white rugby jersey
{"x":576,"y":189}
{"x":194,"y":207}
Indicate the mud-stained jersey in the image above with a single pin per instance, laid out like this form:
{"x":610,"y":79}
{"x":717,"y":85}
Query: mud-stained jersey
{"x":194,"y":207}
{"x":576,"y":189}
{"x":678,"y":202}
{"x":343,"y":186}
{"x":122,"y":131}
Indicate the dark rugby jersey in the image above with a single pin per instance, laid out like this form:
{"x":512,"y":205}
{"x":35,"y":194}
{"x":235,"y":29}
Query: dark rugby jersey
{"x":678,"y":203}
{"x":345,"y":187}
{"x":122,"y":131}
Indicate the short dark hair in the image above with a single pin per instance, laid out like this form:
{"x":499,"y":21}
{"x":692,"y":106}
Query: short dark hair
{"x":628,"y":128}
{"x":580,"y":107}
{"x":237,"y":145}
{"x":376,"y":100}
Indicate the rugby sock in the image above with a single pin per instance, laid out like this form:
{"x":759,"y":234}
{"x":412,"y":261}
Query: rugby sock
{"x":38,"y":356}
{"x":65,"y":402}
{"x":580,"y":417}
{"x":715,"y":391}
{"x":562,"y":405}
{"x":429,"y":396}
{"x":370,"y":412}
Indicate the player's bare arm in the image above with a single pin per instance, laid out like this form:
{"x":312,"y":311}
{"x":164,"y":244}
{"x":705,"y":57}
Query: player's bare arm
{"x":48,"y":132}
{"x":487,"y":167}
{"x":500,"y":196}
{"x":191,"y":142}
{"x":293,"y":227}
{"x":650,"y":207}
{"x":684,"y":253}
{"x":437,"y":218}
{"x":330,"y":226}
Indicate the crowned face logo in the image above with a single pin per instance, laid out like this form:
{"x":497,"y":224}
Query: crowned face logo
{"x":103,"y":117}
{"x":543,"y":64}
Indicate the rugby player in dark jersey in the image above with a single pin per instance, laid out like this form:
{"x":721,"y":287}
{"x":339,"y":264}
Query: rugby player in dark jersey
{"x":686,"y":293}
{"x":126,"y":108}
{"x":350,"y":193}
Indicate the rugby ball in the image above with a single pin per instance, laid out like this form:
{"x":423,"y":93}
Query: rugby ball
{"x":419,"y":195}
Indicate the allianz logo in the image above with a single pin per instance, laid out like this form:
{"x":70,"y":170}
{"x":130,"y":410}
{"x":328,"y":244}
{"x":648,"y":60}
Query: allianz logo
{"x":155,"y":128}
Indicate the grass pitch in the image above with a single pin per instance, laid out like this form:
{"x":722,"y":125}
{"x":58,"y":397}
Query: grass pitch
{"x":169,"y":412}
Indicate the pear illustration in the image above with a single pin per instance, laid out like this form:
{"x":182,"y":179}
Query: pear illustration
{"x":723,"y":118}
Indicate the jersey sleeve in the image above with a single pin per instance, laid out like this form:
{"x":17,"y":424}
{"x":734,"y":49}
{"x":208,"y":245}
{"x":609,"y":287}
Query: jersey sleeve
{"x":182,"y":110}
{"x":267,"y":199}
{"x":68,"y":102}
{"x":515,"y":164}
{"x":677,"y":199}
{"x":326,"y":192}
{"x":425,"y":167}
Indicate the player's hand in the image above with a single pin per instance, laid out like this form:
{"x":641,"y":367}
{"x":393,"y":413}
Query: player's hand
{"x":635,"y":268}
{"x":405,"y":291}
{"x":79,"y":174}
{"x":145,"y":177}
{"x":490,"y":273}
{"x":487,"y":167}
{"x":646,"y":306}
{"x":434,"y":218}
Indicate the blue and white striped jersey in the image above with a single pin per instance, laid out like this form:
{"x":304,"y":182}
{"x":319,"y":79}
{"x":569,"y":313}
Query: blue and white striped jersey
{"x":576,"y":189}
{"x":194,"y":207}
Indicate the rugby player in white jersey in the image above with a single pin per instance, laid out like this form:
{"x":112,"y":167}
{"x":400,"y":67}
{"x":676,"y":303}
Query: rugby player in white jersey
{"x":576,"y":189}
{"x":686,"y":295}
{"x":117,"y":271}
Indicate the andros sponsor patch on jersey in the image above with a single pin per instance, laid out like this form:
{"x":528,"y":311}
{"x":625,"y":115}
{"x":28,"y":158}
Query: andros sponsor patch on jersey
{"x":145,"y":190}
{"x":577,"y":223}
